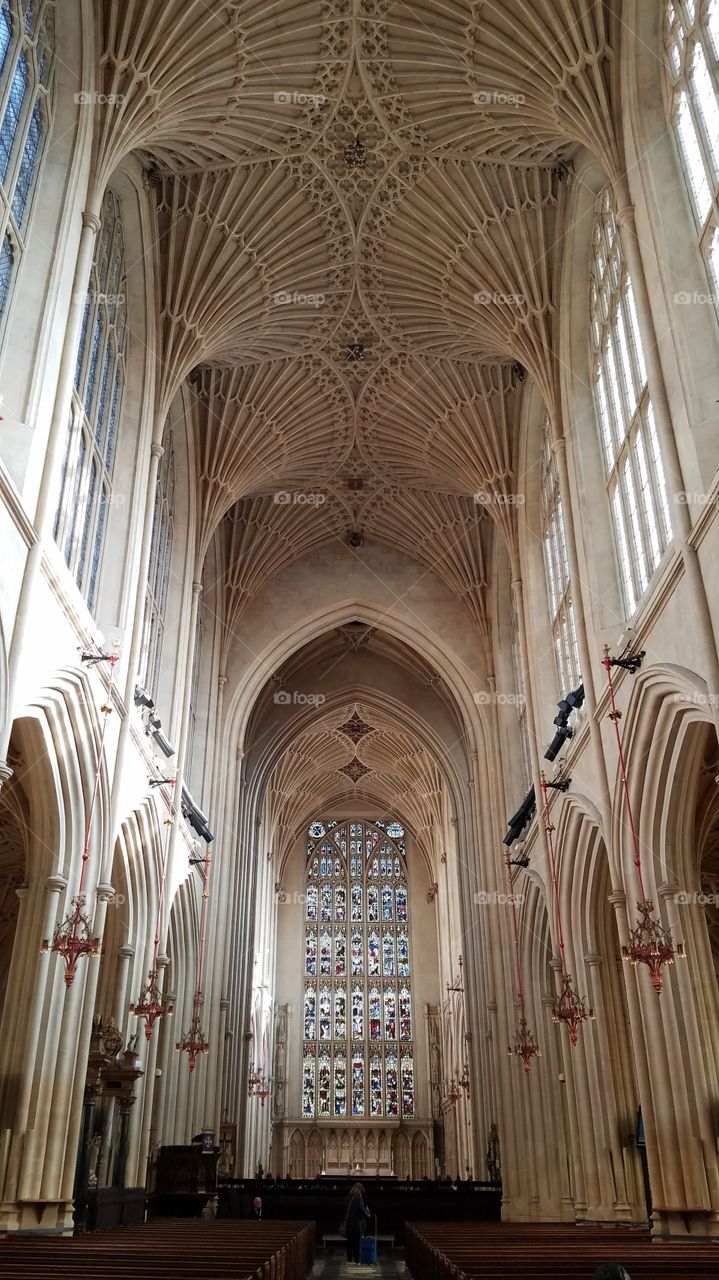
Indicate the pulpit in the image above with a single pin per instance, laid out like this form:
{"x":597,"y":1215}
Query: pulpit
{"x":184,"y":1179}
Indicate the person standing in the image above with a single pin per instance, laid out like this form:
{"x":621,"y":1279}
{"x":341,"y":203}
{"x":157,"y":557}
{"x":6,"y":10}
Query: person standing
{"x":355,"y":1220}
{"x":257,"y":1207}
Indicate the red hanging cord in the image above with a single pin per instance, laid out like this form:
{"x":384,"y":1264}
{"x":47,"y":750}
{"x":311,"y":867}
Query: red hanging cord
{"x":193,"y":1042}
{"x":73,"y":938}
{"x":151,"y":1005}
{"x":568,"y":1008}
{"x":650,"y":943}
{"x":615,"y":716}
{"x":525,"y":1046}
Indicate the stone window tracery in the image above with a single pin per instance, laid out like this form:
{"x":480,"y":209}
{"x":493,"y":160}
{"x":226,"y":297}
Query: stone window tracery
{"x":158,"y":577}
{"x":27,"y":54}
{"x":556,"y":564}
{"x":87,"y":478}
{"x":630,"y":447}
{"x":358,"y":1013}
{"x":691,"y":42}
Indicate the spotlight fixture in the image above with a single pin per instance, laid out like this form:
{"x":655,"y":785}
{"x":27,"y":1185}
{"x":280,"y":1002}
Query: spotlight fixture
{"x":142,"y":698}
{"x":519,"y":820}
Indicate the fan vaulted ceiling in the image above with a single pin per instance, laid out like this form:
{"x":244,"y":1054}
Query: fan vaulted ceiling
{"x":359,"y":206}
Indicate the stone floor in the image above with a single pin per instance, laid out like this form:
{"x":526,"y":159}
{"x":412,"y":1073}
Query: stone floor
{"x":332,"y":1266}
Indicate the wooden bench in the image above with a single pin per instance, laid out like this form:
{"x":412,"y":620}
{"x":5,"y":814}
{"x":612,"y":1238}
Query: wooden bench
{"x":166,"y":1249}
{"x":489,"y":1251}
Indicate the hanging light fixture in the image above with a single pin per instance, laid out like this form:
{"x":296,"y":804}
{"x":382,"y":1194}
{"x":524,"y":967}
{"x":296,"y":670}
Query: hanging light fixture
{"x":524,"y":1045}
{"x":150,"y":1006}
{"x":650,"y":943}
{"x":193,"y":1043}
{"x":464,"y":1081}
{"x":568,"y":1009}
{"x":73,"y":938}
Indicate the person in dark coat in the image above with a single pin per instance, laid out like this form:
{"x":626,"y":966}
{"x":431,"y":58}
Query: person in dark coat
{"x":355,"y":1220}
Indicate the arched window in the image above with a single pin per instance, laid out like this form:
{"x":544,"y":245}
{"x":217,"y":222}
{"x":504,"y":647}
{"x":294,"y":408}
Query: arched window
{"x":691,"y":41}
{"x":559,"y":587}
{"x":27,"y":48}
{"x":357,"y":1032}
{"x":87,"y":481}
{"x":521,"y":696}
{"x":158,"y":577}
{"x":632,"y":461}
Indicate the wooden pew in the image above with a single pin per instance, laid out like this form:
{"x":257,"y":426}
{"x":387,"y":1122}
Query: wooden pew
{"x":483,"y":1251}
{"x":166,"y":1249}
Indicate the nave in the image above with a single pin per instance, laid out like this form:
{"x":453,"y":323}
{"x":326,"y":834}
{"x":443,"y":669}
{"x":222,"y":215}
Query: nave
{"x":359,"y":619}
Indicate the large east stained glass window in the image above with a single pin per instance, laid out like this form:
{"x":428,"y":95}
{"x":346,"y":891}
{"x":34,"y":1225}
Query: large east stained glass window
{"x":357,"y":1043}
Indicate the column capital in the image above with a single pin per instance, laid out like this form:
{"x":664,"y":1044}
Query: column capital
{"x":593,"y":959}
{"x":92,"y":221}
{"x":56,"y":883}
{"x":163,"y":961}
{"x":559,"y":445}
{"x":196,"y":588}
{"x":126,"y":951}
{"x":5,"y":773}
{"x":22,"y":891}
{"x":156,"y":451}
{"x":105,"y":892}
{"x":222,"y":681}
{"x":625,"y":215}
{"x":618,"y":898}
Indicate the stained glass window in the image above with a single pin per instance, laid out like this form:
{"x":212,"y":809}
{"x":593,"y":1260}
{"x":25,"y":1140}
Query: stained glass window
{"x":357,"y":1020}
{"x":158,"y":576}
{"x":556,"y":566}
{"x":27,"y":55}
{"x":632,"y":460}
{"x":87,"y":485}
{"x":691,"y":41}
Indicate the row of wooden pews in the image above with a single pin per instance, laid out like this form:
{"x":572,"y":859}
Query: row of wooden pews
{"x":509,"y":1251}
{"x":166,"y":1249}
